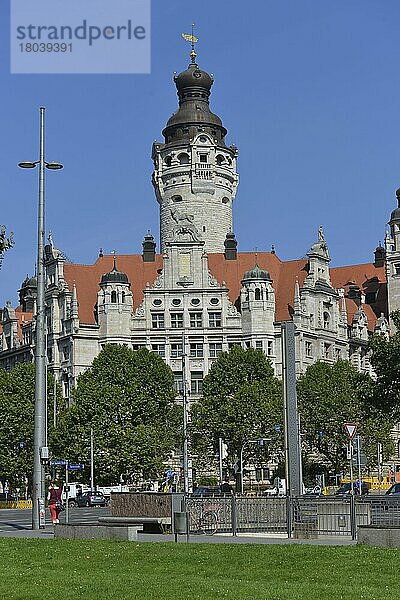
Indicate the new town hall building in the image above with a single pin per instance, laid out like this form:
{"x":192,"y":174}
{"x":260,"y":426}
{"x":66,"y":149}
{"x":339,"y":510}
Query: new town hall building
{"x":200,"y":295}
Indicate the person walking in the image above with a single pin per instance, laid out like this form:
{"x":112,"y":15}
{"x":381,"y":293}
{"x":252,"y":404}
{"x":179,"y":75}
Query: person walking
{"x":54,"y":501}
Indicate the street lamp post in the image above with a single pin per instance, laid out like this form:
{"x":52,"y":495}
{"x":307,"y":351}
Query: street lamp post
{"x":40,"y":451}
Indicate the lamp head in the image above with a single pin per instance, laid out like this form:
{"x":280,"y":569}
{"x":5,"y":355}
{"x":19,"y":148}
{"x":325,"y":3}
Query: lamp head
{"x":54,"y":166}
{"x":27,"y":164}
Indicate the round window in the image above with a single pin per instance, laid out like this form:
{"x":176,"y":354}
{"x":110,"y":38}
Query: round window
{"x":203,"y":139}
{"x":176,"y":301}
{"x":214,"y":301}
{"x":157,"y":302}
{"x":195,"y":301}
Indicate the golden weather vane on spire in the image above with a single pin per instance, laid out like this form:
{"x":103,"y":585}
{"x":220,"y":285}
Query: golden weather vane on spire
{"x":190,"y":37}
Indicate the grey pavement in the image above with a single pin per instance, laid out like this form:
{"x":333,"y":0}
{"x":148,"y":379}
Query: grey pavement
{"x":17,"y":523}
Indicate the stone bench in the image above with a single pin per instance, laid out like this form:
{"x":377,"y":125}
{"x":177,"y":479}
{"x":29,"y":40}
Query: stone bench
{"x":161,"y":522}
{"x":379,"y":535}
{"x":93,"y":531}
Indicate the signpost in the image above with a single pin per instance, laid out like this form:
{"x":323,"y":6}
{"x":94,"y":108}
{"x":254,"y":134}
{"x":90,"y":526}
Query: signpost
{"x":351,"y":429}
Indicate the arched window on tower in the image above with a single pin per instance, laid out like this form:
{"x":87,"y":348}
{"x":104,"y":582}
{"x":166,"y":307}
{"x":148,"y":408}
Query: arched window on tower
{"x":122,"y":297}
{"x":168,"y":161}
{"x":219,"y":159}
{"x":113,"y":297}
{"x":183,"y":158}
{"x":327,"y":319}
{"x":257,"y":295}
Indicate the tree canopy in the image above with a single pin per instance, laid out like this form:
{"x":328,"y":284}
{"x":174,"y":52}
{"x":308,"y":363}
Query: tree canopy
{"x":17,"y":401}
{"x":385,"y":360}
{"x":330,"y":396}
{"x":242,"y":401}
{"x":127,"y":398}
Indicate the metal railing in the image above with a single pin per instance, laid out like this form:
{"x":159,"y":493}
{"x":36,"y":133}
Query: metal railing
{"x":297,"y":517}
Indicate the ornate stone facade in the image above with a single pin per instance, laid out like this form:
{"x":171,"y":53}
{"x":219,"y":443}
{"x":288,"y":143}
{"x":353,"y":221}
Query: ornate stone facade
{"x":201,"y":296}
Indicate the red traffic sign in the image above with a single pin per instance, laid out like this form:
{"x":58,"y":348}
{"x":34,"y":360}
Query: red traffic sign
{"x":351,"y":429}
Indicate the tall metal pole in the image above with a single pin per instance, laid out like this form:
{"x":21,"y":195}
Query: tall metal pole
{"x":359,"y":463}
{"x":294,"y":483}
{"x":91,"y":460}
{"x":40,"y":349}
{"x":185,"y":421}
{"x":351,"y":449}
{"x":40,"y":450}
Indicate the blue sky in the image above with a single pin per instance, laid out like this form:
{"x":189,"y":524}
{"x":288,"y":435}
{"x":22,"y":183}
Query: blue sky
{"x":308,"y":90}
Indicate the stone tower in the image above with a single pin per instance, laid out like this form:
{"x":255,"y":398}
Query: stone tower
{"x":114,"y":306}
{"x":257,"y":300}
{"x":392,"y":245}
{"x":195,"y":176}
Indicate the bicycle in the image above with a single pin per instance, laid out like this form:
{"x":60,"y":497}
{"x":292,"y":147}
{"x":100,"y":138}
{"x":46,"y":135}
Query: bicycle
{"x":207,"y":518}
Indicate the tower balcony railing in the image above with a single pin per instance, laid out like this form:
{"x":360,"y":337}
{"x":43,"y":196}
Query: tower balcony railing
{"x":203,"y":171}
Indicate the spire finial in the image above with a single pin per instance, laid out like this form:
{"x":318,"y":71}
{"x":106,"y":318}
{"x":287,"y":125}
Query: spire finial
{"x":114,"y":253}
{"x":190,"y":37}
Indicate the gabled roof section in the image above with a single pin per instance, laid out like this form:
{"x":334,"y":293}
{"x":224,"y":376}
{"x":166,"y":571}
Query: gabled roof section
{"x":87,"y":279}
{"x":283,"y":275}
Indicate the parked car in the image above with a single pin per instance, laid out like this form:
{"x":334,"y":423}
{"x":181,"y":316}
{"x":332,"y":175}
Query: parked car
{"x":203,"y":490}
{"x":91,"y":499}
{"x":345,"y":489}
{"x":394,"y":490}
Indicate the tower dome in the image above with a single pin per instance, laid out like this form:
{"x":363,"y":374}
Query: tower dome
{"x":114,"y":276}
{"x":193,"y":88}
{"x":256,"y":273}
{"x":396,"y":213}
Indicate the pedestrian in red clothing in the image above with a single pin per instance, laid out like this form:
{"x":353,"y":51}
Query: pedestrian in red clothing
{"x":54,"y":501}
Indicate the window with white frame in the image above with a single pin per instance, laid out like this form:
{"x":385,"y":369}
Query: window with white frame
{"x":259,"y":345}
{"x":214,"y":320}
{"x":270,"y":348}
{"x":178,"y":381}
{"x":158,"y":349}
{"x":308,"y":346}
{"x":215,"y":349}
{"x":196,"y":319}
{"x":176,"y":350}
{"x":177,"y":320}
{"x":157,"y":320}
{"x":196,"y":382}
{"x":196,"y":350}
{"x":327,"y":351}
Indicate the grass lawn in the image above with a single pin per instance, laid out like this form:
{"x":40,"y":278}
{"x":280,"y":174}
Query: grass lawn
{"x":105,"y":570}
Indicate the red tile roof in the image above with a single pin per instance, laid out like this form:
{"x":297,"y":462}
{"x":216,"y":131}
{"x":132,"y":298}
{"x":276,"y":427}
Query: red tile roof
{"x":283,"y":274}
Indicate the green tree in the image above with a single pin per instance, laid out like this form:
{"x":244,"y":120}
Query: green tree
{"x":127,"y":398}
{"x":385,"y":360}
{"x":17,"y":401}
{"x":328,"y":397}
{"x":242,"y":401}
{"x":5,"y":242}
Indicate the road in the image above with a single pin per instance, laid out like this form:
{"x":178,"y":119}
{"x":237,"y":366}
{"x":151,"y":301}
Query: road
{"x":18,"y":523}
